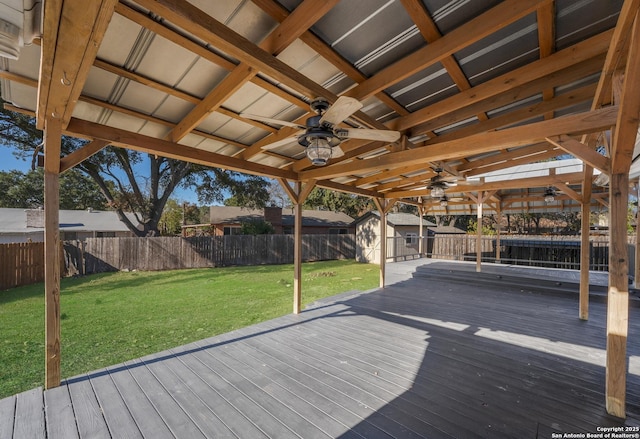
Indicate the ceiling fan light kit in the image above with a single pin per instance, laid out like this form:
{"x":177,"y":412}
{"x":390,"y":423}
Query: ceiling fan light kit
{"x":549,"y":196}
{"x":437,"y":192}
{"x":318,"y":150}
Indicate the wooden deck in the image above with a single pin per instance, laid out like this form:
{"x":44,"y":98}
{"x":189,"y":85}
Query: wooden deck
{"x":428,"y":357}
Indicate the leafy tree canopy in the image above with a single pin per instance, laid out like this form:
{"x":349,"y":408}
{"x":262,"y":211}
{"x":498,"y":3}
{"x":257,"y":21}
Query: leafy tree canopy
{"x":135,"y":182}
{"x":26,"y":190}
{"x":352,"y":205}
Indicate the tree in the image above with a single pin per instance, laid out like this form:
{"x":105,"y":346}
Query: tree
{"x":26,"y":190}
{"x":352,"y":205}
{"x":135,"y":182}
{"x":257,"y":227}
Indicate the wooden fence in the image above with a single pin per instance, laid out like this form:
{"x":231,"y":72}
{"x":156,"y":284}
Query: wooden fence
{"x":95,"y":255}
{"x":21,"y":264}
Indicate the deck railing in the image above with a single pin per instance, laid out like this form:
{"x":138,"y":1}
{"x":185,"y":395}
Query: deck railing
{"x":542,"y":251}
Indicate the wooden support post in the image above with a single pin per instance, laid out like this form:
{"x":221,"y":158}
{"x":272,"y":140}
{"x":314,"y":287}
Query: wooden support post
{"x":420,"y":232}
{"x":636,"y":267}
{"x":384,"y":206}
{"x":585,"y":255}
{"x":618,"y":301}
{"x":297,"y":254}
{"x":297,"y":195}
{"x":52,"y":139}
{"x":498,"y":229}
{"x":479,"y":233}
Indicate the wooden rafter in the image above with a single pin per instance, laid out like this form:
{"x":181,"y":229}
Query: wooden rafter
{"x":73,"y":31}
{"x":463,"y":36}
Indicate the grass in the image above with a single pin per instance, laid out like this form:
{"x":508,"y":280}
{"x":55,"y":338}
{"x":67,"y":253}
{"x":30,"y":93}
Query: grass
{"x":112,"y":317}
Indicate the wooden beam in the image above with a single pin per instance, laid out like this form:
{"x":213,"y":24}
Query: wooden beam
{"x":495,"y":96}
{"x":596,"y":120}
{"x":570,"y":192}
{"x":170,"y":34}
{"x":347,"y":188}
{"x":76,"y":29}
{"x":550,"y":180}
{"x":468,"y":33}
{"x":52,"y":141}
{"x":295,"y":24}
{"x":229,"y":85}
{"x":615,"y":52}
{"x":52,"y":13}
{"x":582,"y":51}
{"x":80,"y":155}
{"x":544,"y":154}
{"x":293,"y":196}
{"x":626,"y":131}
{"x":188,"y":17}
{"x":430,"y":32}
{"x":503,"y":156}
{"x":581,"y":151}
{"x":529,"y":112}
{"x":152,"y":145}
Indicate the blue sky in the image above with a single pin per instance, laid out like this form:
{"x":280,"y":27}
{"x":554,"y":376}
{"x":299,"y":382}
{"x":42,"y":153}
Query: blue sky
{"x":9,"y":162}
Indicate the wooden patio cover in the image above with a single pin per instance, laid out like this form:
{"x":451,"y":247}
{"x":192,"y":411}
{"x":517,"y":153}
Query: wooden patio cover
{"x":473,"y":87}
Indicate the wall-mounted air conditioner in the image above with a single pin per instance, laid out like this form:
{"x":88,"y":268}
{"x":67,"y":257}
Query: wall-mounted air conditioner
{"x":20,"y":23}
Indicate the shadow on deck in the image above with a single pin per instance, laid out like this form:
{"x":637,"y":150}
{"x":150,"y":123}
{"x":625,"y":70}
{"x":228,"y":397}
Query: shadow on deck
{"x":429,"y":356}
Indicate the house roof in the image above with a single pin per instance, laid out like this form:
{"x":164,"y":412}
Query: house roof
{"x":14,"y":221}
{"x":446,"y":229}
{"x":472,"y":86}
{"x":310,"y":218}
{"x":398,"y":219}
{"x":233,"y":214}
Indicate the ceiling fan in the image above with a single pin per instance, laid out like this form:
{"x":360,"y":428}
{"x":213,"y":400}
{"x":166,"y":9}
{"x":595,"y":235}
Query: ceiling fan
{"x":439,"y":183}
{"x":321,"y":137}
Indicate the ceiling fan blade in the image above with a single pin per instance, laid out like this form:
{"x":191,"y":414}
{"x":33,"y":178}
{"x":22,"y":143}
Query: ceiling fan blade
{"x":271,"y":121}
{"x":336,"y":152}
{"x":282,"y":142}
{"x":340,"y":110}
{"x":366,"y":134}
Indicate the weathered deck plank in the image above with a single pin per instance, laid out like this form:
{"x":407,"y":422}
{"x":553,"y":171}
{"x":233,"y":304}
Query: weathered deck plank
{"x":418,"y":359}
{"x":141,"y":409}
{"x":89,"y":414}
{"x":7,"y":416}
{"x":116,"y":414}
{"x":59,"y":416}
{"x":29,"y":415}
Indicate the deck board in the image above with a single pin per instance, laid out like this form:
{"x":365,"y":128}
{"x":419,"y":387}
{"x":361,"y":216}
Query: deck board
{"x":7,"y":416}
{"x":89,"y":415}
{"x":419,"y":359}
{"x":29,"y":416}
{"x":60,"y":419}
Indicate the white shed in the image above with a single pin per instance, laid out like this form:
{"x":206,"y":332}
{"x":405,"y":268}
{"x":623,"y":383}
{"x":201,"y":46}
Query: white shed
{"x":402,"y":227}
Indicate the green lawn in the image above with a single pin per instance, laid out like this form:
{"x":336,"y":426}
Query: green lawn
{"x":109,"y":318}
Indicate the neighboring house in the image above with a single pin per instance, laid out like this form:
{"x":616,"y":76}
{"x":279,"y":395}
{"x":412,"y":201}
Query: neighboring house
{"x":404,"y":227}
{"x":227,"y":220}
{"x":24,"y":225}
